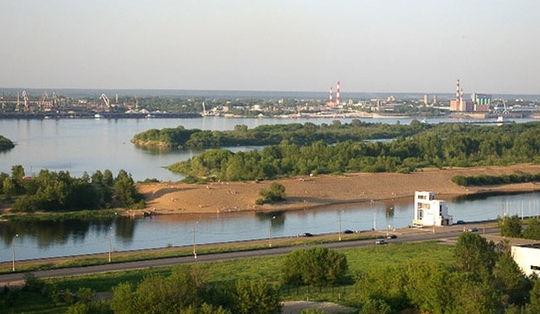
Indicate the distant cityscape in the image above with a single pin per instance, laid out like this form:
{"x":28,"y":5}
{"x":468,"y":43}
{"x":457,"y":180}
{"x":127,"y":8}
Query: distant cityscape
{"x":81,"y":103}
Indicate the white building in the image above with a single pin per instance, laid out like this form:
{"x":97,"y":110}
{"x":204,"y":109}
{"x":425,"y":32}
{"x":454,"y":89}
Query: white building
{"x":430,"y":212}
{"x":528,"y":258}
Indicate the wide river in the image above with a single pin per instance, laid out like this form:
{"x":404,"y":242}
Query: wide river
{"x":79,"y":146}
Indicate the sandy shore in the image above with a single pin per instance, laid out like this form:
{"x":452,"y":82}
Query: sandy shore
{"x":324,"y":190}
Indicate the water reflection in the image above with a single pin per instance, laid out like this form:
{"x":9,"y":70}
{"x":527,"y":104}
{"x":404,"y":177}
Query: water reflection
{"x":46,"y":239}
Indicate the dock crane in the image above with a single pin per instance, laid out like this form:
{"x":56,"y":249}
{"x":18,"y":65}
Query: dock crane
{"x":44,"y":97}
{"x":55,"y":101}
{"x":106,"y":101}
{"x":25,"y":99}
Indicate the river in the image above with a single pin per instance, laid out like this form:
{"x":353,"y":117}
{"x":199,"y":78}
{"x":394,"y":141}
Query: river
{"x":79,"y":146}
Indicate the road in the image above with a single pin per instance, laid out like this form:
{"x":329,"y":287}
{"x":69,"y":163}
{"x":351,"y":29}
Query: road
{"x":404,"y":235}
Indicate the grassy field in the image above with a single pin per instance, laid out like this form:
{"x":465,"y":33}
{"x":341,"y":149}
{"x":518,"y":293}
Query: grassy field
{"x":266,"y":268}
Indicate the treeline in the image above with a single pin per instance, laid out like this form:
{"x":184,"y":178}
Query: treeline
{"x":58,"y":191}
{"x":445,"y":145}
{"x":480,"y":180}
{"x":5,"y":143}
{"x":295,"y":133}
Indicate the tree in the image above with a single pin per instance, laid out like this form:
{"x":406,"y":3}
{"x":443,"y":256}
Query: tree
{"x":510,"y":226}
{"x":533,"y":229}
{"x":275,"y":194}
{"x":474,"y":255}
{"x":156,"y":294}
{"x":534,"y":306}
{"x":509,"y":280}
{"x":315,"y":266}
{"x":256,"y":297}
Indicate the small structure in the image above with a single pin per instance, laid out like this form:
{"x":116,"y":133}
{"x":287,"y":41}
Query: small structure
{"x":430,"y":212}
{"x":527,"y":257}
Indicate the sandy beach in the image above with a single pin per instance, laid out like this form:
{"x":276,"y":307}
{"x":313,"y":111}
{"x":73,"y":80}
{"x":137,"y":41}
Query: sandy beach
{"x":324,"y":190}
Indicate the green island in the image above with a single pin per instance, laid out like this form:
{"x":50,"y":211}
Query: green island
{"x":413,"y":147}
{"x":295,"y":133}
{"x":62,"y":196}
{"x":5,"y":143}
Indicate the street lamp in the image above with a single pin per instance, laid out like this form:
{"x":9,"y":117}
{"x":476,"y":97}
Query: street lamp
{"x":339,"y":234}
{"x":270,"y":232}
{"x":13,"y":252}
{"x":110,"y":245}
{"x":194,"y":250}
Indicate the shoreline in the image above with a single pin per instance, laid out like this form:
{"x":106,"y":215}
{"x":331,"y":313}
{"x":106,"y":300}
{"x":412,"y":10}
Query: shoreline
{"x":309,"y":193}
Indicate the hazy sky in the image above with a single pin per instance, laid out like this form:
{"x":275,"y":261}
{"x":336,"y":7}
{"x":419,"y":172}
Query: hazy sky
{"x":493,"y":46}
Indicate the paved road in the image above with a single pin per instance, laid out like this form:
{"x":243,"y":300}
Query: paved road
{"x":404,"y":235}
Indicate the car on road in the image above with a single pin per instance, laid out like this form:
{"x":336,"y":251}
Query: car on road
{"x":381,"y":241}
{"x":392,"y":236}
{"x":307,"y":234}
{"x":348,"y":231}
{"x":460,"y":222}
{"x":473,"y":229}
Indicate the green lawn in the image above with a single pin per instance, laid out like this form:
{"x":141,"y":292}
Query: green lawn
{"x":267,"y":268}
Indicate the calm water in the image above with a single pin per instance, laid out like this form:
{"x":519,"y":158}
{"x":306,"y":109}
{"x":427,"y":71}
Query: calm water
{"x":88,"y":145}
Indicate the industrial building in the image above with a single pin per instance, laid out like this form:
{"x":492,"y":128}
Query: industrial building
{"x":430,"y":212}
{"x":478,"y":102}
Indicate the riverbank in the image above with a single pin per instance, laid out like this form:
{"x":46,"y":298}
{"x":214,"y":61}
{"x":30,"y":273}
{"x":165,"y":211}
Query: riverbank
{"x":304,"y":193}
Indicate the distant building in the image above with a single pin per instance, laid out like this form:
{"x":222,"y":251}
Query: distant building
{"x":461,"y":105}
{"x":528,"y":258}
{"x":482,"y":102}
{"x":430,"y":212}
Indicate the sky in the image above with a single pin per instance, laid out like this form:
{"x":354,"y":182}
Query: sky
{"x":424,"y":46}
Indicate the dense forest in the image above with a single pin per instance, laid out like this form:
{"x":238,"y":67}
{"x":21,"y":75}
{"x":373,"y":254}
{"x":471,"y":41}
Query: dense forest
{"x":5,"y":143}
{"x":441,"y":145}
{"x":59,"y":192}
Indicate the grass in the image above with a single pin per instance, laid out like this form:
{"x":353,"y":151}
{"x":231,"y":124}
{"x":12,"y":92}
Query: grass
{"x":266,"y":268}
{"x":118,"y":257}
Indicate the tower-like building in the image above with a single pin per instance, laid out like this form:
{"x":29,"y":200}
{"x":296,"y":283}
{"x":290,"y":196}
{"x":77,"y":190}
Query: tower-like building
{"x":430,"y":212}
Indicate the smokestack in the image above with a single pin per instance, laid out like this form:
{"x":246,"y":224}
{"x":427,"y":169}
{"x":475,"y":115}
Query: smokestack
{"x":337,"y":93}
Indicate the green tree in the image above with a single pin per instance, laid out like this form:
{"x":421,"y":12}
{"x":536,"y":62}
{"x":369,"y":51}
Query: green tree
{"x":156,"y":294}
{"x":315,"y":266}
{"x":510,"y":226}
{"x":534,"y":305}
{"x":533,"y":229}
{"x":474,"y":255}
{"x":275,"y":194}
{"x":510,"y":282}
{"x":9,"y":188}
{"x":256,"y":297}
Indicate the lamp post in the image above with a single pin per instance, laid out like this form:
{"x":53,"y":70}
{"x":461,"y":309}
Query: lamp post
{"x":194,"y":242}
{"x":270,"y":232}
{"x":339,"y":233}
{"x":13,"y":252}
{"x":110,"y":246}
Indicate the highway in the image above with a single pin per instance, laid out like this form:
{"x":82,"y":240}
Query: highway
{"x":404,"y":235}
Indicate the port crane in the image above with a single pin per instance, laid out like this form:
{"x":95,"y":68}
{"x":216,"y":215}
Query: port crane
{"x":44,"y":97}
{"x":106,"y":101}
{"x":25,"y":99}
